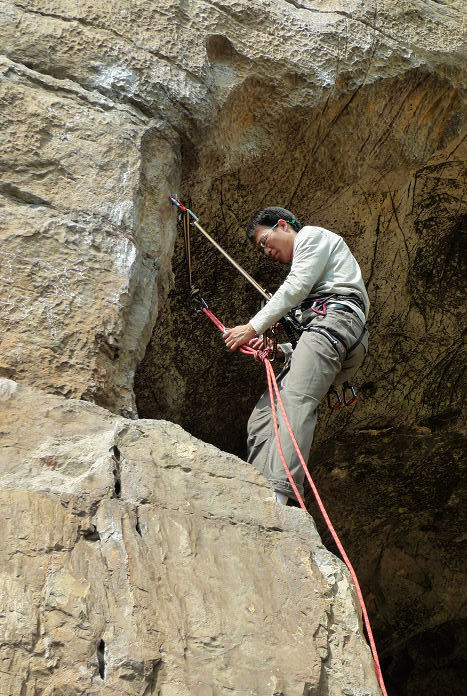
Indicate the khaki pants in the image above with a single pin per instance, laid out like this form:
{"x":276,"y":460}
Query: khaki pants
{"x":314,"y":366}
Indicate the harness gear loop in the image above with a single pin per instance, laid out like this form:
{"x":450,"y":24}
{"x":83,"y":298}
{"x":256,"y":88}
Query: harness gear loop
{"x":274,"y":394}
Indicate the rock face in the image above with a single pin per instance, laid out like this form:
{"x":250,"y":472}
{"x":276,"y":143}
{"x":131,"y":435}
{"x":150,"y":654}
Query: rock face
{"x":139,"y":560}
{"x":79,"y":288}
{"x":351,"y":114}
{"x":398,"y":497}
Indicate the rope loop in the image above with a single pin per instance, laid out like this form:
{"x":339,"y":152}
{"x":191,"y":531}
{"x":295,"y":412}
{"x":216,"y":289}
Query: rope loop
{"x":274,"y":395}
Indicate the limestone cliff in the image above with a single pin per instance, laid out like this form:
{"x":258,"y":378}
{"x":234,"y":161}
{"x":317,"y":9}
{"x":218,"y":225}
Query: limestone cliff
{"x":139,"y":560}
{"x":351,"y":114}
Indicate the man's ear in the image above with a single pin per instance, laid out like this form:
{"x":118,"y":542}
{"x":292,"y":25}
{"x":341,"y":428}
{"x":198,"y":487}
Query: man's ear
{"x":285,"y":224}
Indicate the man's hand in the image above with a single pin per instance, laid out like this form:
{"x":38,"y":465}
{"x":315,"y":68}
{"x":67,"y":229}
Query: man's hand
{"x":238,"y":336}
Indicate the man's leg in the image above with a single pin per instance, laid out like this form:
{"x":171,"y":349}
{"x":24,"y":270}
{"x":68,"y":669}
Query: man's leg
{"x":314,"y":366}
{"x":261,"y":437}
{"x":259,"y":433}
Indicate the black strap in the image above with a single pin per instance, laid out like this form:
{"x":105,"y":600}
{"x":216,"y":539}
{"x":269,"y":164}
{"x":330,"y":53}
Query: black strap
{"x":291,"y":331}
{"x":352,"y":298}
{"x":358,"y":341}
{"x":336,"y":342}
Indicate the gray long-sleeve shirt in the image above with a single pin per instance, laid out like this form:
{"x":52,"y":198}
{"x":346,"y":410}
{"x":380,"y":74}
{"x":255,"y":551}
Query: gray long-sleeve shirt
{"x":322,"y":264}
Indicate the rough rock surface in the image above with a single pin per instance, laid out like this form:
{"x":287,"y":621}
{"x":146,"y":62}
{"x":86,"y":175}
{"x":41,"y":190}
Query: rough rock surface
{"x":399,"y":499}
{"x":138,"y":560}
{"x":349,"y":112}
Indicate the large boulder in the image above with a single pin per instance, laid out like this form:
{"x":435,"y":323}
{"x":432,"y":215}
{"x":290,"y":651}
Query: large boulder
{"x":138,"y":560}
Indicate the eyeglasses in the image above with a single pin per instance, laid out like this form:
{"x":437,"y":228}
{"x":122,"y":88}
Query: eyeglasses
{"x":263,"y":240}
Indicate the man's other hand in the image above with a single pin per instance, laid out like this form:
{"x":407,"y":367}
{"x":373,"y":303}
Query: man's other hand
{"x":238,"y":336}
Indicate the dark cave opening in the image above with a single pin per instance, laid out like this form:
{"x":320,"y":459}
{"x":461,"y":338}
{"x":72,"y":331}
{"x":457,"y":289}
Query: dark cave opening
{"x":354,"y":167}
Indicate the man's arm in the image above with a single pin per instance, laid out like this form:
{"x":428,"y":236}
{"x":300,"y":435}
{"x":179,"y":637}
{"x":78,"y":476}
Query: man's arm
{"x":311,"y":254}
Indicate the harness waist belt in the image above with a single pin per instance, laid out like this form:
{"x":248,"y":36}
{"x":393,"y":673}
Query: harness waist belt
{"x":343,"y":307}
{"x":351,"y":298}
{"x":331,"y":299}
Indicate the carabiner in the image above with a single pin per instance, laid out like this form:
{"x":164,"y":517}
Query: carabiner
{"x":197,"y":299}
{"x":345,"y":388}
{"x":320,"y":312}
{"x":332,"y":392}
{"x":270,"y":341}
{"x":183,"y":209}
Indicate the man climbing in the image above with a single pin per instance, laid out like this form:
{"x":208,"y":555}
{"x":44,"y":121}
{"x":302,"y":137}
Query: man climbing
{"x":325,"y":291}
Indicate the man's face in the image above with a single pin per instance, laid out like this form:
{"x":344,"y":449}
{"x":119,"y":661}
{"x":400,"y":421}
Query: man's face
{"x":276,"y":242}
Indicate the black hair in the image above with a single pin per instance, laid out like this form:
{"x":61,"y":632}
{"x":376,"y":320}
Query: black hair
{"x":269,"y":217}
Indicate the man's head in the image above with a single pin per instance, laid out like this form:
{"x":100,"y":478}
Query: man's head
{"x":273,"y":230}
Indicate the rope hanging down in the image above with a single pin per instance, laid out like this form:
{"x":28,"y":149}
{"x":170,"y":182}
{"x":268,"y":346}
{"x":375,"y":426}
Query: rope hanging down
{"x":274,"y":393}
{"x":262,"y":356}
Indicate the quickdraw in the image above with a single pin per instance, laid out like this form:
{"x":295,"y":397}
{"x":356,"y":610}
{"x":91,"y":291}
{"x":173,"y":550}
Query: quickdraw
{"x":335,"y":402}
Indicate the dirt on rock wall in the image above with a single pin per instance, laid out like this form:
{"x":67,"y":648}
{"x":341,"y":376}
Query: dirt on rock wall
{"x":349,"y":113}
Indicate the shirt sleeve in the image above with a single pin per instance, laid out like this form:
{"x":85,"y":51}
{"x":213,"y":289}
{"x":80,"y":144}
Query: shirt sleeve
{"x":312,"y":249}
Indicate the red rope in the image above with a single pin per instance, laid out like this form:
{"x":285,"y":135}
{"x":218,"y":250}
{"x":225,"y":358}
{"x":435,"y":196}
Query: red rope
{"x":273,"y":388}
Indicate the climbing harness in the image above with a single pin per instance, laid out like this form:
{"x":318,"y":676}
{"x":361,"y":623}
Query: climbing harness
{"x":264,"y":356}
